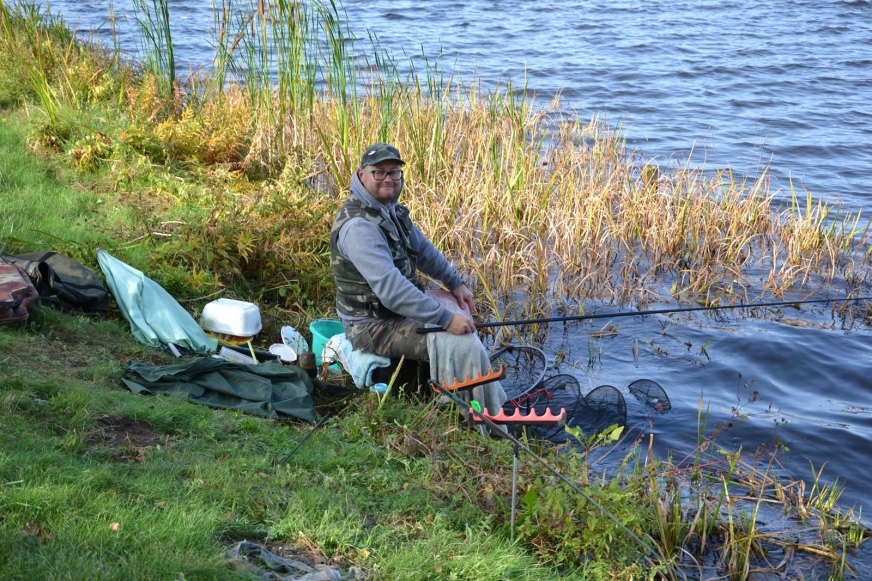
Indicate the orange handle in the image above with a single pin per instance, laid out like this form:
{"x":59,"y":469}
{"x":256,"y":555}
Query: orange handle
{"x":516,"y":417}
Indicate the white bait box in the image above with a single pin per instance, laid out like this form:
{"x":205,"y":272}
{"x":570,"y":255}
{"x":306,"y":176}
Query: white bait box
{"x":231,"y":317}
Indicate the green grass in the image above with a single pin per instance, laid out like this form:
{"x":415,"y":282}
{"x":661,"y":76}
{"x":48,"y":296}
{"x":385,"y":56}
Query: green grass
{"x":231,"y":192}
{"x":37,"y":211}
{"x":66,"y":479}
{"x":82,"y":453}
{"x":98,"y":483}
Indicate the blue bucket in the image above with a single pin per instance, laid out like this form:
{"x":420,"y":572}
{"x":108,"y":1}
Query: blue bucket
{"x":322,"y":330}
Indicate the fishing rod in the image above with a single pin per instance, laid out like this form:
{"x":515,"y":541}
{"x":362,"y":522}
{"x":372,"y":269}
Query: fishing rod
{"x":424,"y":330}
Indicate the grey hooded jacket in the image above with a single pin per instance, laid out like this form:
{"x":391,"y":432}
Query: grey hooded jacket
{"x":364,"y":243}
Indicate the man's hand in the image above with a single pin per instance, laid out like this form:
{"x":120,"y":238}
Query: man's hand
{"x":460,"y":325}
{"x":464,"y":298}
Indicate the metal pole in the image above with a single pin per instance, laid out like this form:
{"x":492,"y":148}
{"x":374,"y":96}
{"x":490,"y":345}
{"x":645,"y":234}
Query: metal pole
{"x":518,"y":444}
{"x":514,"y":486}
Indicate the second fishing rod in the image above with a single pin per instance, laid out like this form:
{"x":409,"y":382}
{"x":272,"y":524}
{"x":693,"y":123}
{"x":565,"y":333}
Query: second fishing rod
{"x":423,"y":330}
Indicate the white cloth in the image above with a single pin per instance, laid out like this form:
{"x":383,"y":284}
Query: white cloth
{"x":458,"y":356}
{"x":359,"y":364}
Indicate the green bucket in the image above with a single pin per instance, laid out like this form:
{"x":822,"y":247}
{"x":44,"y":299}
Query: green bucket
{"x":322,"y":330}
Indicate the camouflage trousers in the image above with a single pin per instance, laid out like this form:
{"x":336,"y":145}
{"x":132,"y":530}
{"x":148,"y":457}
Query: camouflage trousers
{"x":390,"y":338}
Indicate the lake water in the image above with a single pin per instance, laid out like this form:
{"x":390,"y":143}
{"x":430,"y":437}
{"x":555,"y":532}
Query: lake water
{"x":738,"y":83}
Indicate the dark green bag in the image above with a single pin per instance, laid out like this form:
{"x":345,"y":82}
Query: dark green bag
{"x":268,"y":389}
{"x":68,"y":284}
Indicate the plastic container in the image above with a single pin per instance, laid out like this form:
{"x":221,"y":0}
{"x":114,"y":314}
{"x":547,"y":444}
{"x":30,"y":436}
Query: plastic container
{"x":232,"y":319}
{"x":322,"y":330}
{"x":285,"y":353}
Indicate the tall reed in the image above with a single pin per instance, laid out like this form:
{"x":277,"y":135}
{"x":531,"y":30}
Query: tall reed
{"x":156,"y":41}
{"x":539,"y":208}
{"x":542,"y":208}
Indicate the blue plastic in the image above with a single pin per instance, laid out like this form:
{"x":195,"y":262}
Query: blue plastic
{"x":322,"y":330}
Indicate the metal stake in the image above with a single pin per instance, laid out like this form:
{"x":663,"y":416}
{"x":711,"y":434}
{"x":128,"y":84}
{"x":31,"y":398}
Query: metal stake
{"x":514,"y":485}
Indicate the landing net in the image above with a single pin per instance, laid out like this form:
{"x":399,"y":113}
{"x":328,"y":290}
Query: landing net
{"x":529,"y":390}
{"x":524,"y":368}
{"x":650,"y":393}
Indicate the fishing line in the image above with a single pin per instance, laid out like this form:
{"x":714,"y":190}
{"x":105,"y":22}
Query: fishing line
{"x":487,"y":325}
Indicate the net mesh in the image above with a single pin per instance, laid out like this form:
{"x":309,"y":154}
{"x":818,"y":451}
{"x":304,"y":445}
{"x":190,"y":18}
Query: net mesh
{"x":649,"y":393}
{"x":524,"y":368}
{"x":557,"y":392}
{"x":603,"y":407}
{"x":527,"y":388}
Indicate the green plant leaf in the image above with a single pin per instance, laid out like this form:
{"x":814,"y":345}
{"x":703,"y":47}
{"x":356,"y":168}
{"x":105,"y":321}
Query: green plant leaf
{"x":615,"y":434}
{"x":530,"y":500}
{"x":574,"y":432}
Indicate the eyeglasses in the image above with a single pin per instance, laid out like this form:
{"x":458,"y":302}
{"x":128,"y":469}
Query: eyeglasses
{"x":379,"y":174}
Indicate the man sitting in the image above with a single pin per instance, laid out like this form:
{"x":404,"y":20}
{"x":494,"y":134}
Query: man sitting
{"x":376,"y":253}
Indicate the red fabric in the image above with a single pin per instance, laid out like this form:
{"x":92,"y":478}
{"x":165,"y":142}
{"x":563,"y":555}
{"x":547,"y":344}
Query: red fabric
{"x":16,"y":292}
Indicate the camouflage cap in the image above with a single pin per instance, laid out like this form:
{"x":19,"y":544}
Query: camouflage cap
{"x":379,"y":152}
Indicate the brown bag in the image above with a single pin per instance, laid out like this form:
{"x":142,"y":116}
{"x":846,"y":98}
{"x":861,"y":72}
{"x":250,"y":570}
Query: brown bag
{"x":16,"y":292}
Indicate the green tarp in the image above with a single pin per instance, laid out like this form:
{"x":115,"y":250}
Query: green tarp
{"x":269,"y":389}
{"x":155,"y":317}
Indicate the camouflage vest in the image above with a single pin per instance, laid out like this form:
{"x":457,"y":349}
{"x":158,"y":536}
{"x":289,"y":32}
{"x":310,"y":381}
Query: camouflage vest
{"x":354,"y":297}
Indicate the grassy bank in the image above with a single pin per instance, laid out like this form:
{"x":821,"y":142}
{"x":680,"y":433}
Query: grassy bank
{"x":100,"y":484}
{"x":226,"y":186}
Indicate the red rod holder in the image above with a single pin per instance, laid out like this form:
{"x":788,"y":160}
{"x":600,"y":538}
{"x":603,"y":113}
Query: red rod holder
{"x":516,"y":417}
{"x":479,"y":379}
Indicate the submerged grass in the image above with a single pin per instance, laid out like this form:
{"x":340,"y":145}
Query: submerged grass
{"x":227,"y":184}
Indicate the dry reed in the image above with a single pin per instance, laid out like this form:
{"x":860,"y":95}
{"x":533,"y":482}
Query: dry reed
{"x":538,"y":208}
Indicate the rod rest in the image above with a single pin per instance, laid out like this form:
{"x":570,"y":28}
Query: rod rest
{"x":517,"y":417}
{"x":479,"y":379}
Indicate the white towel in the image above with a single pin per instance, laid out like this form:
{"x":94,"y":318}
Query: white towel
{"x":457,"y":356}
{"x":359,"y":364}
